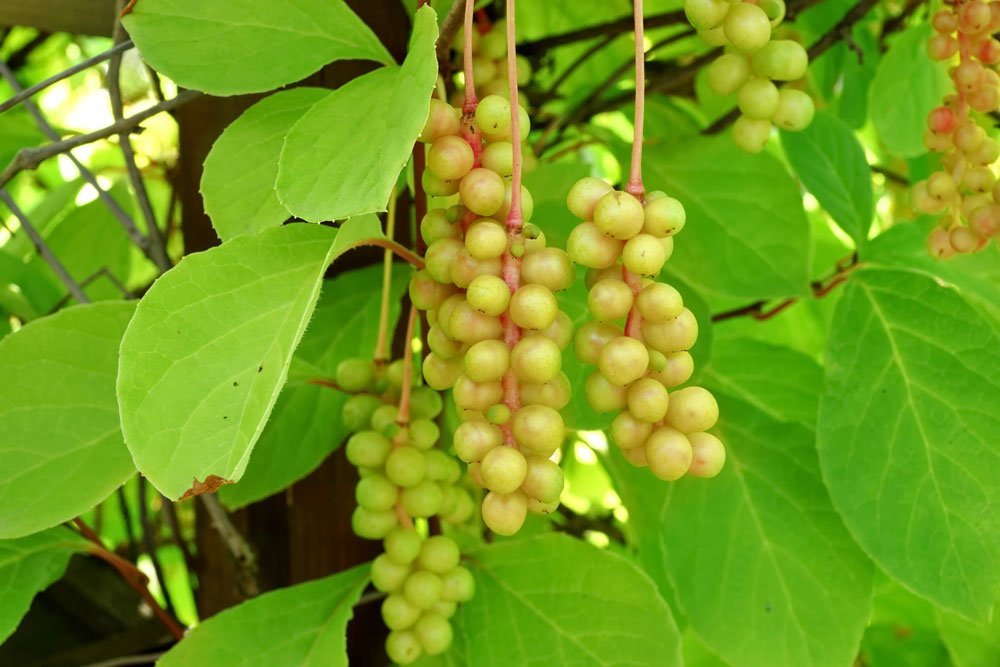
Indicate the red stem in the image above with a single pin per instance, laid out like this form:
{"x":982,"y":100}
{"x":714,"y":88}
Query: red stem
{"x":635,"y":187}
{"x":470,"y":85}
{"x":633,"y":323}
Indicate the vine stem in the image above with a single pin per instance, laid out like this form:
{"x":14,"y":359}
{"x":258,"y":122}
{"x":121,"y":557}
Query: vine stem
{"x":132,"y":576}
{"x":403,"y":415}
{"x":511,"y":266}
{"x":381,"y":342}
{"x":633,"y":323}
{"x":635,"y":187}
{"x":402,"y":251}
{"x":470,"y":86}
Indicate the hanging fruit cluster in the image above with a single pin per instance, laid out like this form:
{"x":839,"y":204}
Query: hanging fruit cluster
{"x":496,"y":334}
{"x":404,"y":477}
{"x":489,"y":61}
{"x":965,"y":191}
{"x":641,"y":332}
{"x":753,"y":62}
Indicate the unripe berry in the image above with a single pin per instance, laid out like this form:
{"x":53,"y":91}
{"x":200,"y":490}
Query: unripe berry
{"x":466,"y":268}
{"x":692,"y":409}
{"x":758,"y":98}
{"x":486,"y":239}
{"x":678,"y":370}
{"x":973,"y":17}
{"x":375,"y":493}
{"x":538,"y":429}
{"x":673,"y":335}
{"x":705,"y":14}
{"x":488,"y":295}
{"x":470,"y":326}
{"x":482,"y":191}
{"x":527,"y":205}
{"x":550,"y":267}
{"x":591,"y":338}
{"x":647,"y":400}
{"x":437,"y":187}
{"x":618,"y":215}
{"x":714,"y":37}
{"x":668,"y":453}
{"x":945,"y":21}
{"x":487,"y":360}
{"x":560,"y":331}
{"x":368,"y":449}
{"x":441,"y":373}
{"x":728,"y":73}
{"x":543,"y":480}
{"x":750,"y":134}
{"x":584,"y":194}
{"x":458,"y":585}
{"x":644,"y":255}
{"x":708,"y":455}
{"x":439,"y":554}
{"x":422,"y":500}
{"x":427,"y":293}
{"x":483,"y":71}
{"x":503,"y":469}
{"x":443,"y":120}
{"x":628,"y":432}
{"x":476,"y":395}
{"x":623,"y":360}
{"x":781,"y":60}
{"x":371,"y":524}
{"x":422,"y":589}
{"x":398,"y":613}
{"x":968,"y":76}
{"x":663,"y":217}
{"x":589,"y":247}
{"x":795,"y":110}
{"x":555,"y":393}
{"x":939,"y":244}
{"x":963,"y":239}
{"x":504,"y":514}
{"x":403,"y":545}
{"x":969,"y":136}
{"x":442,"y":345}
{"x":747,"y":27}
{"x":499,"y":157}
{"x":357,"y":412}
{"x":659,"y":302}
{"x":354,"y":375}
{"x":609,"y":300}
{"x":473,"y":439}
{"x":535,"y":359}
{"x":434,"y":634}
{"x":403,"y":647}
{"x":405,"y":466}
{"x":387,"y":574}
{"x":450,"y":158}
{"x":942,"y":47}
{"x":440,"y":257}
{"x":602,"y":395}
{"x":533,"y":307}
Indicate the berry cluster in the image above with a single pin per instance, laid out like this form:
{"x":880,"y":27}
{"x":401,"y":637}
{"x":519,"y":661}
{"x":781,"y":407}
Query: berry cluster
{"x":403,"y":477}
{"x":965,"y":191}
{"x":624,"y":244}
{"x":752,"y":64}
{"x":496,"y":334}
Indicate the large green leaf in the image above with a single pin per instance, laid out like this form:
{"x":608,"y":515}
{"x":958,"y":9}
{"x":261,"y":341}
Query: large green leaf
{"x":760,"y":563}
{"x":554,"y":600}
{"x":908,"y":431}
{"x":907,"y":85}
{"x":779,"y":381}
{"x":303,"y":625}
{"x":238,"y":181}
{"x":746,"y":236}
{"x":902,"y":630}
{"x":60,"y":442}
{"x":305,"y":425}
{"x":28,"y":565}
{"x":832,"y":165}
{"x":247,"y":46}
{"x":343,"y":156}
{"x":208,"y":351}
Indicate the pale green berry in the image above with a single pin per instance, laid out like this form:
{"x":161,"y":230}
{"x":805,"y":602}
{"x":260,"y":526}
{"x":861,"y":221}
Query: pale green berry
{"x":609,"y":299}
{"x":751,"y":134}
{"x":503,"y":469}
{"x":533,"y":307}
{"x":648,"y":400}
{"x":482,"y":191}
{"x":535,"y":359}
{"x":505,"y":514}
{"x":618,"y":215}
{"x":405,"y":466}
{"x":487,"y":360}
{"x":473,"y":439}
{"x":747,"y":27}
{"x":659,"y":302}
{"x":758,"y":98}
{"x":538,"y":429}
{"x":543,"y":479}
{"x":668,"y":453}
{"x":644,"y":255}
{"x":589,"y":247}
{"x":489,"y":295}
{"x":795,"y":110}
{"x":692,"y":409}
{"x":450,"y":158}
{"x":628,"y":432}
{"x":584,"y":194}
{"x":708,"y":455}
{"x":623,"y":360}
{"x":604,"y":396}
{"x":728,"y":73}
{"x":591,"y":338}
{"x":781,"y":60}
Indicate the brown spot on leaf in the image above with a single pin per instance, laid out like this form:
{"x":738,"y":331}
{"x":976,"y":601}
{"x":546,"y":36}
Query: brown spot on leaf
{"x":210,"y":485}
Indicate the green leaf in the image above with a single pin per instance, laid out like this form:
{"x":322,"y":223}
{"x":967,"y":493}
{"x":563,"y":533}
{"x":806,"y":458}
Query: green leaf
{"x":208,"y":351}
{"x":240,"y":170}
{"x":831,"y":163}
{"x":759,"y":560}
{"x":746,"y":236}
{"x":247,"y":46}
{"x":305,"y":425}
{"x":971,"y":644}
{"x":29,"y":565}
{"x":908,"y":428}
{"x":60,"y":442}
{"x":907,"y":85}
{"x":902,"y":630}
{"x":336,"y":170}
{"x":529,"y":609}
{"x":303,"y":625}
{"x":778,"y":381}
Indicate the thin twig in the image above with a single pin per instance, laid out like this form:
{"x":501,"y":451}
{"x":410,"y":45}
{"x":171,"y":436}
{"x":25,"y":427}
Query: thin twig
{"x":818,"y":289}
{"x":103,"y":272}
{"x":149,"y":544}
{"x":43,"y":249}
{"x":157,"y":249}
{"x":170,"y":511}
{"x":30,"y":158}
{"x":449,"y":28}
{"x":132,"y":576}
{"x":239,"y":549}
{"x":124,"y":218}
{"x":890,"y":175}
{"x":128,"y":660}
{"x":616,"y":27}
{"x":133,"y":548}
{"x":381,"y":341}
{"x":598,"y":45}
{"x":65,"y":74}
